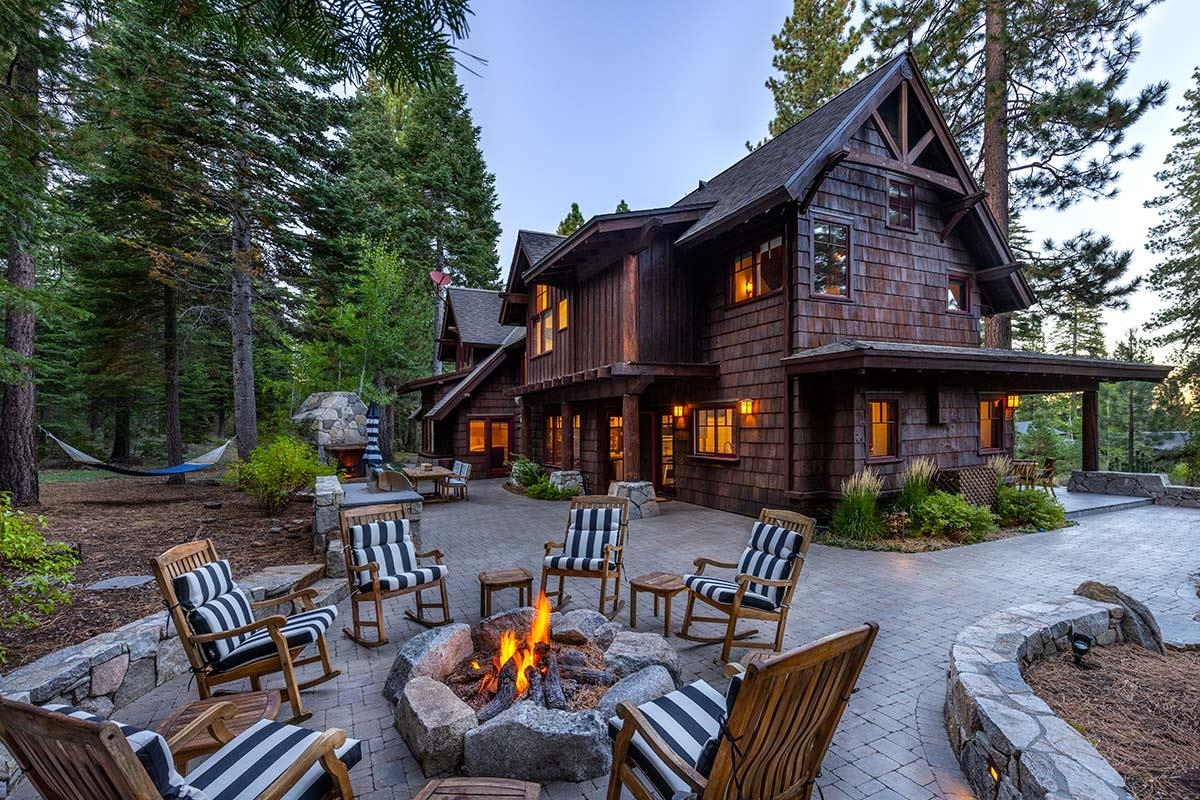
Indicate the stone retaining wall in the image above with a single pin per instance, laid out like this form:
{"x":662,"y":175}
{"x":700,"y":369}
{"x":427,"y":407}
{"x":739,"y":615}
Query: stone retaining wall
{"x":1010,"y":744}
{"x":1135,"y":484}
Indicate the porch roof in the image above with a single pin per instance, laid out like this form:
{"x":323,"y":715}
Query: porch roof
{"x":852,"y":355}
{"x":481,"y":372}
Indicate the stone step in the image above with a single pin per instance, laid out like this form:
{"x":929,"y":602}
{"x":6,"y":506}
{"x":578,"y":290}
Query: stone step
{"x":1123,"y":505}
{"x":331,"y":591}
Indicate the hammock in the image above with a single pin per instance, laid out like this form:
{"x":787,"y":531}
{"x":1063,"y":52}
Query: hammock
{"x":195,"y":465}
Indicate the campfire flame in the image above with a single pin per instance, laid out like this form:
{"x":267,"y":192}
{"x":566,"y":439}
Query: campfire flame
{"x":539,"y":633}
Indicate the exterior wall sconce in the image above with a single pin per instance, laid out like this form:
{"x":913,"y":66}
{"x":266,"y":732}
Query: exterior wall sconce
{"x":1013,"y":401}
{"x":746,"y":406}
{"x":677,"y":411}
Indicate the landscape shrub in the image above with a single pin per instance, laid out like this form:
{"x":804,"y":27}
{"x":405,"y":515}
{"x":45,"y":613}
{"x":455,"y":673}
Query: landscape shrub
{"x":542,"y":489}
{"x":33,"y":571}
{"x":1001,"y":466}
{"x":945,"y":514}
{"x":1179,"y":475}
{"x":916,"y":483}
{"x":525,"y":472}
{"x":856,"y":515}
{"x":1029,"y":508}
{"x":896,"y":524}
{"x":276,"y":472}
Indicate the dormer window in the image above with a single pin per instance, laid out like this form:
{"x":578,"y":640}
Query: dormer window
{"x":900,"y":213}
{"x":758,"y":271}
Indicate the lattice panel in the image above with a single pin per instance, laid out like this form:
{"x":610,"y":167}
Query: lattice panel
{"x":976,"y":484}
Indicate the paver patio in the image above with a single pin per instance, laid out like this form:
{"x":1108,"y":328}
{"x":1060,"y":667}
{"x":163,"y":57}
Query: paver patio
{"x":891,"y":744}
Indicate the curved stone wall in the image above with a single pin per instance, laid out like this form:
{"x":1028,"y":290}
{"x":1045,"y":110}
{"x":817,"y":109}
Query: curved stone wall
{"x":1009,"y":742}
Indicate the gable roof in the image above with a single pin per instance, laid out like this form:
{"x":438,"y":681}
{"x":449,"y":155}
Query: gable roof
{"x":439,"y":410}
{"x":476,"y":314}
{"x":531,"y":247}
{"x":538,"y":244}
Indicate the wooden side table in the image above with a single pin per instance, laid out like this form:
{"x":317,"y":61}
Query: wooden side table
{"x":664,"y":586}
{"x":478,"y":789}
{"x":493,"y":580}
{"x":251,"y":707}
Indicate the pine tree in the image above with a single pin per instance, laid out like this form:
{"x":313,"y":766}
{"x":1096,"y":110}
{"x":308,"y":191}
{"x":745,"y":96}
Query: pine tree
{"x":571,"y":222}
{"x":1049,"y":79}
{"x":1079,"y":331}
{"x":811,"y":52}
{"x":622,"y":207}
{"x":1133,"y":410}
{"x":1176,"y":239}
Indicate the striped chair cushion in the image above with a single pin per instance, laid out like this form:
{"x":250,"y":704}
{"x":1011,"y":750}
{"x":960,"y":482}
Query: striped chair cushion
{"x":405,"y":580}
{"x":301,"y":629}
{"x":245,"y":767}
{"x":778,"y":541}
{"x":373,"y":534}
{"x":392,"y":559}
{"x":578,"y":564}
{"x":764,"y":565}
{"x":589,"y":530}
{"x":151,"y":750}
{"x":204,"y":583}
{"x":226,"y":612}
{"x":686,"y":719}
{"x":722,"y":591}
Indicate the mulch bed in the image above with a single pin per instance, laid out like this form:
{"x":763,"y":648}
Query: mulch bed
{"x":918,"y":544}
{"x":1140,"y":710}
{"x":119,"y":524}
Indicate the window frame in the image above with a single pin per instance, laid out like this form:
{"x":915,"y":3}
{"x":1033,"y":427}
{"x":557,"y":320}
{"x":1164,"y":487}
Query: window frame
{"x":542,"y":323}
{"x":997,"y":423}
{"x":734,"y":254}
{"x":731,"y":407}
{"x":966,"y":309}
{"x":562,"y":311}
{"x":912,"y":207}
{"x":843,"y":222}
{"x":552,"y":443}
{"x":894,"y":437}
{"x":471,"y":422}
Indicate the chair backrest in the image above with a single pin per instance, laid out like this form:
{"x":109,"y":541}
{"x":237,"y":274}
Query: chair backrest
{"x":776,"y":550}
{"x":73,"y":759}
{"x":602,"y":502}
{"x":784,"y":717}
{"x":180,"y":560}
{"x":364,"y":514}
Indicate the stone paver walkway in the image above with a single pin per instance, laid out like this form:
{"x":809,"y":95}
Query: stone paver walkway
{"x":892,"y":743}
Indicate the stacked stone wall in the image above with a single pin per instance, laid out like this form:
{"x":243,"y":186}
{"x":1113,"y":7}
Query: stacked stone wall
{"x":1135,"y":484}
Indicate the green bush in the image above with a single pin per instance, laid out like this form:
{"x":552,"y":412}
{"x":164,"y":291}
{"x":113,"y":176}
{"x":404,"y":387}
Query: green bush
{"x":856,"y":515}
{"x":1179,"y":475}
{"x":542,"y":489}
{"x":916,"y":483}
{"x":1029,"y":508}
{"x":33,"y":571}
{"x":945,"y":514}
{"x":526,"y":473}
{"x":276,"y":472}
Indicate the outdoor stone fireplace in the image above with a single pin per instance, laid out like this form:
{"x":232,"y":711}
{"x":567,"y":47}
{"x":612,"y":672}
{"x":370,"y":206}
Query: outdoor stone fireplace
{"x":459,"y":707}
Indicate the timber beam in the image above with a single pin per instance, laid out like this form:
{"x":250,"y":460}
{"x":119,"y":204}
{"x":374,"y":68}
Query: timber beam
{"x":827,"y":166}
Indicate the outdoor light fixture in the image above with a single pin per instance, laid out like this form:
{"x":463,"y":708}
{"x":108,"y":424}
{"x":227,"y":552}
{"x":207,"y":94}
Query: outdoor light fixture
{"x":746,"y":406}
{"x":677,"y":410}
{"x":1081,"y":643}
{"x":1014,"y":401}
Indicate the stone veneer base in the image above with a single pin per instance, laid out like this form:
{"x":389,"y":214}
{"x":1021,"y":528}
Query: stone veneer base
{"x":1135,"y":484}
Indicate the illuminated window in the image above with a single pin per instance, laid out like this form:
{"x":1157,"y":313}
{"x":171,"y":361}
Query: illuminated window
{"x":541,"y":330}
{"x":900,"y":205}
{"x":991,"y":424}
{"x":958,"y":295}
{"x":577,"y":425}
{"x":562,"y":314}
{"x":714,"y":432}
{"x":541,"y":298}
{"x":535,"y":337}
{"x":553,"y":439}
{"x":478,"y":436}
{"x":884,"y":430}
{"x":831,"y":259}
{"x":759,"y":270}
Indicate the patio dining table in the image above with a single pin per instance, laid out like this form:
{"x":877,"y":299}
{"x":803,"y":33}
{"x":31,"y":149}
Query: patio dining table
{"x":436,"y":475}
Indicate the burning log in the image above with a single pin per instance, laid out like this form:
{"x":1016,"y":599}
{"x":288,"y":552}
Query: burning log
{"x":506,"y":692}
{"x":572,"y":658}
{"x":534,"y":692}
{"x":594,"y":677}
{"x":552,"y":687}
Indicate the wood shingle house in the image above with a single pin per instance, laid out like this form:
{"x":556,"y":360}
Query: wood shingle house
{"x":813,"y":309}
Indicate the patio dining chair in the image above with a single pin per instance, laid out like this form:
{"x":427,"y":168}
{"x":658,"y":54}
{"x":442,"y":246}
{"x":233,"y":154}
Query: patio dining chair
{"x":222,"y":639}
{"x":459,"y":482}
{"x":1046,"y":475}
{"x":70,"y":754}
{"x":593,"y":546}
{"x":1025,"y":473}
{"x":764,"y":738}
{"x":382,"y":562}
{"x":762,"y":586}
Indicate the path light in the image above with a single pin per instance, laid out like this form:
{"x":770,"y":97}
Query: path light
{"x":1081,"y":643}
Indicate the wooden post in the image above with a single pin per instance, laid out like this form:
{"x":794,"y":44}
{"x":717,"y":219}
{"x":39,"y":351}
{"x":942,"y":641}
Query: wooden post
{"x":567,"y":457}
{"x":1091,"y":430}
{"x":631,"y":441}
{"x":629,"y":309}
{"x":525,"y":437}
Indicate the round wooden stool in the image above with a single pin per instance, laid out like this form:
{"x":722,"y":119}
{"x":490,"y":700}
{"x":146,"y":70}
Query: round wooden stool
{"x":252,"y":707}
{"x":478,"y":789}
{"x":664,"y":586}
{"x":493,"y":580}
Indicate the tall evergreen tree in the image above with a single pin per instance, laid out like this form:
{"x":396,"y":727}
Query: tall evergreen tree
{"x":1079,"y":331}
{"x":571,"y":222}
{"x":1176,"y":239}
{"x":1049,"y":79}
{"x":622,"y":207}
{"x":1137,"y":396}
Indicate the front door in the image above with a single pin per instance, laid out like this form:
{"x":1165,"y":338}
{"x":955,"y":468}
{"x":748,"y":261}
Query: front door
{"x":491,"y":438}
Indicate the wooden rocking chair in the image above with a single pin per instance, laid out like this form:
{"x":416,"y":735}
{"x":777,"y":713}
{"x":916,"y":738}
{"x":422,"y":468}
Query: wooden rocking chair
{"x":233,"y":645}
{"x":381,"y":563}
{"x":764,"y":739}
{"x":764,"y":584}
{"x":593,"y":546}
{"x":70,"y":754}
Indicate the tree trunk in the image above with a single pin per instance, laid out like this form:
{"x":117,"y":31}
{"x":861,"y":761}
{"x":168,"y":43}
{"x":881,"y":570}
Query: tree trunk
{"x":245,"y":411}
{"x":221,"y":423}
{"x":120,"y":450}
{"x":385,"y":419}
{"x":1129,"y":432}
{"x":171,"y":418}
{"x":18,"y":451}
{"x":997,"y":329}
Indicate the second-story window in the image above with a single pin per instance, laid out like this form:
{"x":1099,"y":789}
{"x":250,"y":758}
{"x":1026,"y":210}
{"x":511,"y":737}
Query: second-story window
{"x":831,"y":259}
{"x":562,"y":314}
{"x":900,"y":209}
{"x":759,"y":270}
{"x":958,"y":295}
{"x":541,"y":334}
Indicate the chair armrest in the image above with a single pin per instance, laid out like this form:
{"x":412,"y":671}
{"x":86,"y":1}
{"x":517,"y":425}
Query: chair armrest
{"x":362,"y":568}
{"x":212,"y":720}
{"x":703,"y":562}
{"x":733,"y":669}
{"x":552,"y":546}
{"x":436,"y":555}
{"x":309,"y":595}
{"x":321,"y":750}
{"x":635,"y":722}
{"x":275,"y":621}
{"x":745,"y":578}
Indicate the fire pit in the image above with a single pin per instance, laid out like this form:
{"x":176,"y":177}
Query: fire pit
{"x":525,"y":694}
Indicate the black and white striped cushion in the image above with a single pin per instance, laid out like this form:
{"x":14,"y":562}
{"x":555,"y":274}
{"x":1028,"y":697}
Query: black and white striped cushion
{"x":380,"y":532}
{"x":224,"y":613}
{"x":392,"y":559}
{"x":301,"y":629}
{"x":581,"y":564}
{"x":204,"y":583}
{"x":152,"y":752}
{"x":778,"y":541}
{"x":590,"y":529}
{"x":245,"y":767}
{"x":766,"y":566}
{"x":405,"y":580}
{"x":722,"y":591}
{"x":686,"y":719}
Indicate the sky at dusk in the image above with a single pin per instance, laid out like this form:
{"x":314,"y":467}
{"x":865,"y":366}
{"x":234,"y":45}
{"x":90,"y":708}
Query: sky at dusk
{"x":594,"y":103}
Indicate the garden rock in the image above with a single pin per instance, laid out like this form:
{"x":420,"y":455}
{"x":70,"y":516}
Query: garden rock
{"x":139,"y":679}
{"x":567,"y":479}
{"x":107,"y":677}
{"x":172,"y":660}
{"x":640,"y":687}
{"x":1137,"y":624}
{"x":631,"y":651}
{"x":539,"y":744}
{"x":576,"y":627}
{"x":643,"y":499}
{"x":432,"y":653}
{"x":605,"y":634}
{"x":432,"y":722}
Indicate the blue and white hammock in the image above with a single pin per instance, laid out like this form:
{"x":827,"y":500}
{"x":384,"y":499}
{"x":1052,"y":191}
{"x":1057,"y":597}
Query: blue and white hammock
{"x":195,"y":465}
